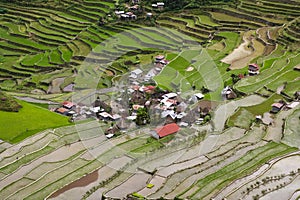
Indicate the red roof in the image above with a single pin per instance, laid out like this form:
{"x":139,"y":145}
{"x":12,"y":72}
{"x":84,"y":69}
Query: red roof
{"x":254,"y":65}
{"x":62,"y":110}
{"x":277,"y":105}
{"x":167,"y":129}
{"x":136,"y":87}
{"x":149,"y":87}
{"x":68,"y":104}
{"x":159,"y":57}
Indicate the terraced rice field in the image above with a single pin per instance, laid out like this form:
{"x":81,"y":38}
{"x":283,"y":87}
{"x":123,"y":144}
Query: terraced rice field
{"x":49,"y":46}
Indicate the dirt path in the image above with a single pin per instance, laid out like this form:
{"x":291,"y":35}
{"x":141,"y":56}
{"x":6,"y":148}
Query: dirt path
{"x":33,"y":100}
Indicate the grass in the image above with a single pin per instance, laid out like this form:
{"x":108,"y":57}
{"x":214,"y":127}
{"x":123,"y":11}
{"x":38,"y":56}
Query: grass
{"x":224,"y":17}
{"x":278,"y":68}
{"x":292,"y":87}
{"x":204,"y":19}
{"x":31,"y":119}
{"x":244,"y":115}
{"x":55,"y":57}
{"x":66,"y":53}
{"x":8,"y":103}
{"x":22,"y":41}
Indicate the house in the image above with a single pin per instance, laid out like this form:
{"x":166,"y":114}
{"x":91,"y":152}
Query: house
{"x":170,"y":95}
{"x":160,"y":5}
{"x":159,"y":58}
{"x":102,"y":105}
{"x":170,"y":113}
{"x":104,"y":116}
{"x":276,"y":107}
{"x":119,"y":12}
{"x":292,"y":105}
{"x":164,"y":131}
{"x":135,"y":73}
{"x":149,"y":89}
{"x":228,"y":93}
{"x":297,"y":67}
{"x":95,"y":109}
{"x":164,"y":62}
{"x":107,"y":116}
{"x":149,"y":15}
{"x":128,"y":15}
{"x":196,"y":97}
{"x":253,"y":69}
{"x":133,"y":8}
{"x":68,"y":104}
{"x":154,"y":5}
{"x":62,"y":111}
{"x":136,"y":107}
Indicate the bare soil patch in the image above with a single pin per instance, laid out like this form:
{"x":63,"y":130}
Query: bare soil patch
{"x":84,"y":181}
{"x":55,"y":86}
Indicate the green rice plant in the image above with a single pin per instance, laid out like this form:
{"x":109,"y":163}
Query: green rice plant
{"x":66,"y":53}
{"x":55,"y":57}
{"x":25,"y":160}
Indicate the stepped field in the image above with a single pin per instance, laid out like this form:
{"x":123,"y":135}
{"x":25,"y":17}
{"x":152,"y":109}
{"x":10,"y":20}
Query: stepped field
{"x":47,"y":45}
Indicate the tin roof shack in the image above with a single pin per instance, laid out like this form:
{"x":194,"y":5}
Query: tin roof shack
{"x":128,"y":16}
{"x":228,"y":93}
{"x":159,"y":58}
{"x":196,"y":97}
{"x":253,"y":69}
{"x":102,"y":105}
{"x":276,"y":107}
{"x":164,"y":131}
{"x":135,"y":73}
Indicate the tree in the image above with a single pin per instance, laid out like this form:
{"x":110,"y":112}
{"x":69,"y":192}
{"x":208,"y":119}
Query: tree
{"x":142,"y":116}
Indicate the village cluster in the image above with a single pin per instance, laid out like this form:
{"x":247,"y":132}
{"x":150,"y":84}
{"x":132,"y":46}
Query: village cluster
{"x":133,"y":8}
{"x":143,"y":103}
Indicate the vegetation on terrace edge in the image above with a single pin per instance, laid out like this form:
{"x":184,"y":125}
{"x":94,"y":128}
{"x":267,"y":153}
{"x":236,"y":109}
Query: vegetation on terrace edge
{"x":8,"y":103}
{"x":44,"y":44}
{"x":36,"y":43}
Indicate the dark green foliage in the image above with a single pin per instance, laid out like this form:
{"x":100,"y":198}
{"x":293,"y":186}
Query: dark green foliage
{"x":8,"y":103}
{"x":3,"y":11}
{"x":142,"y":117}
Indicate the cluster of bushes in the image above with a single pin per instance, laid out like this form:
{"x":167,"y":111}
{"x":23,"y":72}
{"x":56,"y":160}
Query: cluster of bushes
{"x":8,"y":103}
{"x":3,"y":11}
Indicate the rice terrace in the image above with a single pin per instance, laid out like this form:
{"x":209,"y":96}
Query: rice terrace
{"x":135,"y":99}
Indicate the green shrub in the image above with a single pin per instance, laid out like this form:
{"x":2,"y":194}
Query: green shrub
{"x":8,"y":103}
